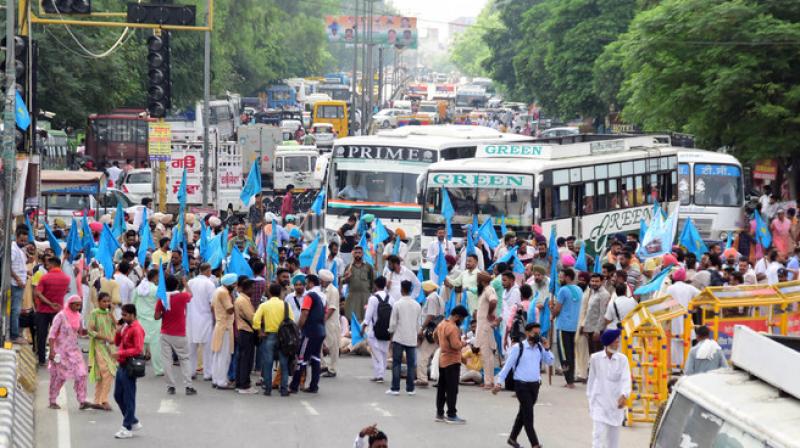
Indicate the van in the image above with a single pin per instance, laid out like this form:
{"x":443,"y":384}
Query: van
{"x":333,"y":112}
{"x":294,"y":165}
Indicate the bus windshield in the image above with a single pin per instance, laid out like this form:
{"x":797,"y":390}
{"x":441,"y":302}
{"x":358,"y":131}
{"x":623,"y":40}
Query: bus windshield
{"x":717,"y":185}
{"x":373,"y":183}
{"x":488,"y":195}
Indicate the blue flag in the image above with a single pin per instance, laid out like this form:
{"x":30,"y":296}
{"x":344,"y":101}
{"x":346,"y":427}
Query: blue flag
{"x":185,"y":257}
{"x":503,"y":228}
{"x":182,"y":191}
{"x":119,"y":221}
{"x":355,"y":330}
{"x":253,"y":184}
{"x":105,"y":251}
{"x":488,"y":234}
{"x":145,"y":240}
{"x":451,"y":303}
{"x":532,"y":309}
{"x":272,"y":245}
{"x":581,"y":263}
{"x":178,"y":233}
{"x":396,"y":246}
{"x":763,"y":235}
{"x":465,"y":325}
{"x":498,"y":339}
{"x":31,"y":238}
{"x":544,"y":316}
{"x":237,"y":264}
{"x":364,"y":245}
{"x":161,"y":291}
{"x":729,"y":241}
{"x":475,"y":227}
{"x":51,"y":238}
{"x":381,"y":234}
{"x":691,"y":240}
{"x":654,"y":284}
{"x":470,"y":243}
{"x":319,"y":202}
{"x":73,"y":241}
{"x":335,"y":272}
{"x":421,"y":297}
{"x":323,"y":255}
{"x":440,"y":268}
{"x":307,"y":256}
{"x":642,"y":229}
{"x":203,"y":243}
{"x":447,"y":212}
{"x":598,"y":264}
{"x":21,"y":115}
{"x":87,"y":240}
{"x":554,"y":260}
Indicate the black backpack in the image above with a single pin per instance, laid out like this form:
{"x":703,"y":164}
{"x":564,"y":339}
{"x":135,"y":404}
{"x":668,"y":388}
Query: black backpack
{"x":517,"y":332}
{"x":288,"y":334}
{"x":381,"y":327}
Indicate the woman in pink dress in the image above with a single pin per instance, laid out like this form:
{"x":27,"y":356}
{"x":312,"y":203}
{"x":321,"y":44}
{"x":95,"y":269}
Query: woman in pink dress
{"x":781,"y":236}
{"x":66,"y":359}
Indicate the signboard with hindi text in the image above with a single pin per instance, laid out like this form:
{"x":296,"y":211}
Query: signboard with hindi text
{"x":159,"y":141}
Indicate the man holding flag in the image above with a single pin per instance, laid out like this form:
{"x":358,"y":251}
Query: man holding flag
{"x":448,"y":248}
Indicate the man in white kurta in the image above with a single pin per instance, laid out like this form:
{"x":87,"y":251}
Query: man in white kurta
{"x":199,"y":320}
{"x":607,"y":389}
{"x":448,"y":248}
{"x":682,"y":292}
{"x":333,"y":327}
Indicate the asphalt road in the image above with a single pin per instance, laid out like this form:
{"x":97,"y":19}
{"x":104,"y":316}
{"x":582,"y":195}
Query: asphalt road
{"x":331,"y":418}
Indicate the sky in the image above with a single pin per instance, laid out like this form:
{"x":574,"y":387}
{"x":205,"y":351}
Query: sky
{"x":437,"y":13}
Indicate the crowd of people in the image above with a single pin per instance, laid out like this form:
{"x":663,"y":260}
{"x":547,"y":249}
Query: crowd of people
{"x":276,"y":295}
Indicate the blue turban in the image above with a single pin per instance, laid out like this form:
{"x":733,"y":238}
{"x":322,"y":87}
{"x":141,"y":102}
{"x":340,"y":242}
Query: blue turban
{"x":229,"y":279}
{"x":296,"y":233}
{"x":609,"y":336}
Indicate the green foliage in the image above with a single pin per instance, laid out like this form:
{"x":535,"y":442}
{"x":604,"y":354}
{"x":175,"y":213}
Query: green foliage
{"x":727,"y":71}
{"x":556,"y":52}
{"x":502,"y":43}
{"x":469,"y":50}
{"x":255,"y":43}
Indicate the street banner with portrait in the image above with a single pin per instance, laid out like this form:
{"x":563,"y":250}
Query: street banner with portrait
{"x":397,"y":31}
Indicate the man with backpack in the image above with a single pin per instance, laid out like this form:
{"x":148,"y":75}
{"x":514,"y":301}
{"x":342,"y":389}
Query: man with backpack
{"x":279,"y":336}
{"x":376,"y":324}
{"x":312,"y":328}
{"x":524,"y":364}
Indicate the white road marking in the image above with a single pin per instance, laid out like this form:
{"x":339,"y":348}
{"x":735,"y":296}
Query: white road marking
{"x":383,"y":412}
{"x":168,"y":406}
{"x":544,"y":404}
{"x":309,"y":409}
{"x":62,"y":421}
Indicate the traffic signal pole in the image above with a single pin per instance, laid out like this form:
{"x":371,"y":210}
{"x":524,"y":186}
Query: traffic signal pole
{"x":9,"y":166}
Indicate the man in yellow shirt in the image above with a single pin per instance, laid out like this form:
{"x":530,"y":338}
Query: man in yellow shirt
{"x":471,"y":360}
{"x":161,"y":255}
{"x":267,"y":320}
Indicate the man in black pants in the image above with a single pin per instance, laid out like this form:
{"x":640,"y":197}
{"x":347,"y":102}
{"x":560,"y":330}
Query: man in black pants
{"x":524,"y":364}
{"x":49,"y":300}
{"x":448,"y":336}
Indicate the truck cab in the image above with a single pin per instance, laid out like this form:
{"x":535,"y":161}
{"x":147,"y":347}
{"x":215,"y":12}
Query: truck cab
{"x":294,"y":165}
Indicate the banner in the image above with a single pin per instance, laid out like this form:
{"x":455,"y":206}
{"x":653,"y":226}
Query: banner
{"x":386,"y":30}
{"x":159,"y":141}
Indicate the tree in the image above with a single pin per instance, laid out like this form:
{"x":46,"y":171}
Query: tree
{"x":559,"y":43}
{"x":469,"y":49}
{"x":504,"y":42}
{"x":727,"y":71}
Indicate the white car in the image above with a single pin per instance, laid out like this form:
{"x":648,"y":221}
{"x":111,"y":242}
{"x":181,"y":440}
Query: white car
{"x":68,"y":206}
{"x":560,"y":132}
{"x":323,"y":135}
{"x":138,"y":184}
{"x":387,"y":118}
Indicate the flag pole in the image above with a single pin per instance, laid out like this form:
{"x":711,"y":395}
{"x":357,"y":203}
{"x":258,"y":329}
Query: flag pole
{"x":550,"y":339}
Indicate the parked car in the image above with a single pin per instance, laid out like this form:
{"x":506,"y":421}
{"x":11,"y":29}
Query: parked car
{"x":323,"y":135}
{"x":68,"y":206}
{"x":138,"y":184}
{"x":387,"y":118}
{"x":560,"y":132}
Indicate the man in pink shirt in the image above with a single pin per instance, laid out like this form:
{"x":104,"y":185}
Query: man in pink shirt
{"x":173,"y":334}
{"x":287,"y":205}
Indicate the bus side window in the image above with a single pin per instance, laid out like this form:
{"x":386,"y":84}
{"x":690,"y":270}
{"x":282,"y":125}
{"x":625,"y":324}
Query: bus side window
{"x":561,"y":203}
{"x":588,"y":199}
{"x":547,"y":204}
{"x":614,"y":201}
{"x":602,"y":199}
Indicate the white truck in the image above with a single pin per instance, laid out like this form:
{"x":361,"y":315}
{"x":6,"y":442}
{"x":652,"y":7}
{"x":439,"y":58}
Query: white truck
{"x":295,"y":165}
{"x":754,"y":404}
{"x":225,"y":174}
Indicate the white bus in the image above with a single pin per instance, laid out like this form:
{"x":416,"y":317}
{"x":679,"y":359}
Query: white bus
{"x":378,"y":174}
{"x":592,"y":187}
{"x":711,"y":191}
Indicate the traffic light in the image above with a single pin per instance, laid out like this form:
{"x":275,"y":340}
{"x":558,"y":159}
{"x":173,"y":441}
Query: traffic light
{"x":20,"y":49}
{"x":67,"y":6}
{"x":162,"y":14}
{"x":159,"y":83}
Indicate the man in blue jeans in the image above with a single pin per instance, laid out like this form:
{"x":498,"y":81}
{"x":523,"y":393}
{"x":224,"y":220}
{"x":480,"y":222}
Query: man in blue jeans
{"x":404,"y":327}
{"x":312,"y":327}
{"x":267,"y":320}
{"x":130,"y":342}
{"x":19,"y":275}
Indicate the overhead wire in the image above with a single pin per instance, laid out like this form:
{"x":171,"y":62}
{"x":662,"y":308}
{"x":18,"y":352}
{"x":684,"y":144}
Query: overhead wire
{"x":91,"y":54}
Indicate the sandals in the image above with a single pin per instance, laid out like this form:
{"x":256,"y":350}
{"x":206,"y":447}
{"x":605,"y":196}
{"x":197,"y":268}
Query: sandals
{"x":85,"y":405}
{"x":54,"y":406}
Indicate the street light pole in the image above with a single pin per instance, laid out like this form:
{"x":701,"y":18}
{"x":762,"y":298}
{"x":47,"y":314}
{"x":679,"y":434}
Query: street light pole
{"x":354,"y":81}
{"x":206,"y":107}
{"x":9,"y":165}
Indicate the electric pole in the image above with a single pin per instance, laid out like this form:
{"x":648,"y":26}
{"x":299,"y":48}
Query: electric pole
{"x":9,"y":162}
{"x":354,"y":81}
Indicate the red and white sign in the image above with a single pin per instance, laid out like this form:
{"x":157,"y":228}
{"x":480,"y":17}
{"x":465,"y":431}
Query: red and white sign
{"x":766,"y":169}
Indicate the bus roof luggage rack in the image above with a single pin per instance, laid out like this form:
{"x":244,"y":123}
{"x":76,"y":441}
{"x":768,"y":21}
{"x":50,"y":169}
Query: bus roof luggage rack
{"x":774,"y":360}
{"x":450,"y":130}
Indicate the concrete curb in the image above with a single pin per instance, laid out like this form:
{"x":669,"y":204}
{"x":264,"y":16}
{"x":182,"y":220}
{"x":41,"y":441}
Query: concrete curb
{"x":18,"y":384}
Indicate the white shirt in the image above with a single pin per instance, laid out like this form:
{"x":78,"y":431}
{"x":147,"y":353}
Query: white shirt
{"x":294,"y":304}
{"x":404,"y":323}
{"x":199,"y":320}
{"x":371,"y":315}
{"x":395,"y":278}
{"x":772,"y":272}
{"x":433,"y":249}
{"x":511,"y":298}
{"x":402,"y":252}
{"x":682,"y":292}
{"x":624,"y":305}
{"x":113,"y":174}
{"x":609,"y":378}
{"x":18,"y":264}
{"x":126,"y":287}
